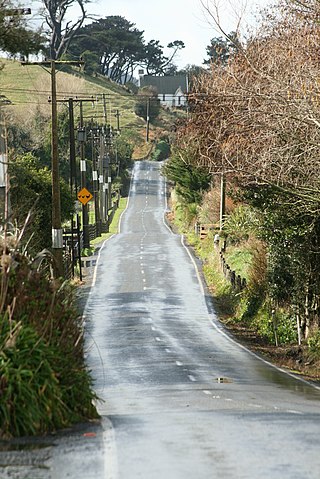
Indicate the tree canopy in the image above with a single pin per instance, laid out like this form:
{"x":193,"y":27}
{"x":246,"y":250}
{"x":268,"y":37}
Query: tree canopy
{"x":114,"y":47}
{"x":15,"y":36}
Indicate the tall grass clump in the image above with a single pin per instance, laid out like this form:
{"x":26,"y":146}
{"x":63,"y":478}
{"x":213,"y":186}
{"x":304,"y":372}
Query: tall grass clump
{"x":44,"y":384}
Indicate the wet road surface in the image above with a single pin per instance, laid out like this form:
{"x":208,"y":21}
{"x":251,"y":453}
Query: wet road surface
{"x":181,"y":399}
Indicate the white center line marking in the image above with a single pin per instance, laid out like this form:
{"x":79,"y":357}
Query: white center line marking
{"x":179,"y":363}
{"x":168,"y":350}
{"x":207,"y":392}
{"x":158,"y":339}
{"x":192,"y":378}
{"x":153,"y":328}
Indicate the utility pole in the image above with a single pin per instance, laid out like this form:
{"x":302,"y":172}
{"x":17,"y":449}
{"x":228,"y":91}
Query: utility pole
{"x":117,"y":115}
{"x":83,"y":169}
{"x":101,"y":177}
{"x":4,"y":177}
{"x":72,"y":173}
{"x":95,"y":183}
{"x":57,"y":239}
{"x":104,"y":108}
{"x":148,"y":120}
{"x":222,"y":200}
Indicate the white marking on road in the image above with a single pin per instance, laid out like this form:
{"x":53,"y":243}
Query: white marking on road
{"x":216,"y":397}
{"x":128,"y":201}
{"x":292,"y":411}
{"x":168,"y":350}
{"x":229,"y":400}
{"x":191,"y":377}
{"x":110,"y":449}
{"x":195,"y":266}
{"x":179,"y":363}
{"x":158,"y":339}
{"x":95,"y":271}
{"x":206,"y":392}
{"x":153,"y":328}
{"x":144,"y":280}
{"x":142,"y":271}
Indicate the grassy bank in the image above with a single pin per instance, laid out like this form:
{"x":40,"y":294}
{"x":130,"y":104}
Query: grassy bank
{"x":248,"y":314}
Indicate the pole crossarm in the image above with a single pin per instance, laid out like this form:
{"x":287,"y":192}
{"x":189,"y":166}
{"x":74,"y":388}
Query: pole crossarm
{"x":48,"y":63}
{"x":12,"y":12}
{"x":75,"y":98}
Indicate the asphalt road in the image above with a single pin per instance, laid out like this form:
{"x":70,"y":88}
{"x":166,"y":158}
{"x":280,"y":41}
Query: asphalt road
{"x":181,"y":398}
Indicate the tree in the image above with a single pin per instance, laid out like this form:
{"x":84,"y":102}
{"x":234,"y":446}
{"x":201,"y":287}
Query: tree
{"x":147,"y":103}
{"x":62,"y":30}
{"x":153,"y":58}
{"x":255,"y":119}
{"x":31,"y":193}
{"x":15,"y":37}
{"x":191,"y":180}
{"x":116,"y":45}
{"x":221,"y":49}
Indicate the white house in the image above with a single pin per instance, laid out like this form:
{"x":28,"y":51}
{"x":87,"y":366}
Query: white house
{"x":172,"y":89}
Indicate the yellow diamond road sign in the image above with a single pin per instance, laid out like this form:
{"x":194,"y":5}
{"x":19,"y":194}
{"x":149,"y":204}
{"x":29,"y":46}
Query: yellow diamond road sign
{"x":84,"y":196}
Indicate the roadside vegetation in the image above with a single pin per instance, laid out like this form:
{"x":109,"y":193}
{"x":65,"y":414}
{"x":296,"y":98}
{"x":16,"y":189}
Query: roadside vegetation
{"x":44,"y":382}
{"x":254,"y":121}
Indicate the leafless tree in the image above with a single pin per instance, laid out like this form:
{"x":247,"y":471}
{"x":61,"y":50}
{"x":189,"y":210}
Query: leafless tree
{"x":61,"y":28}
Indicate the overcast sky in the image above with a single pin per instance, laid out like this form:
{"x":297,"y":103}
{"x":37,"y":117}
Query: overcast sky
{"x":169,"y":20}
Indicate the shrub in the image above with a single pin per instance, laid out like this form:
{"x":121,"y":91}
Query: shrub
{"x":44,"y":382}
{"x":314,"y":345}
{"x":240,"y":224}
{"x":162,"y":151}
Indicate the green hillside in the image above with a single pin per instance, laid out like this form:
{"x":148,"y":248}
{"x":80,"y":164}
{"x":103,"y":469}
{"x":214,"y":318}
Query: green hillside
{"x":28,"y":87}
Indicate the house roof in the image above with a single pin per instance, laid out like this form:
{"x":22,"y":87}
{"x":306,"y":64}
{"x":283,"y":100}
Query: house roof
{"x":165,"y":84}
